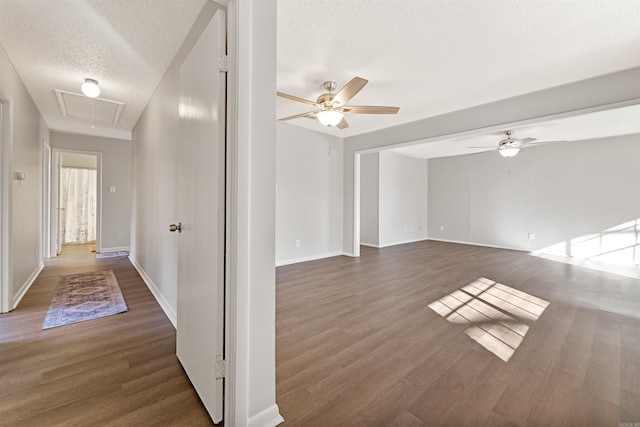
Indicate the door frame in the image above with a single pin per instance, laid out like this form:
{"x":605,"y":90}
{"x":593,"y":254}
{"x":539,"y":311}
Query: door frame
{"x":54,"y":232}
{"x":46,"y":199}
{"x":6,"y":203}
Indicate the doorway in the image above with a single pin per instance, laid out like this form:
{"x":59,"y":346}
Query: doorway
{"x":75,"y":200}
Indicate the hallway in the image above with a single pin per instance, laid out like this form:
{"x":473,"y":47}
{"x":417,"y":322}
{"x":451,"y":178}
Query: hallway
{"x":116,"y":370}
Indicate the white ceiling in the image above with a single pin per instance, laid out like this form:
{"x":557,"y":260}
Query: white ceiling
{"x":127,"y":45}
{"x":435,"y":56}
{"x":426,"y":56}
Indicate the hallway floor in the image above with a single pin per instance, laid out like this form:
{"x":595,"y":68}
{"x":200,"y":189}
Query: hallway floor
{"x":118,"y":370}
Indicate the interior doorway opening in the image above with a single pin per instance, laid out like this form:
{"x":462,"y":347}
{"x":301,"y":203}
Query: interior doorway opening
{"x":75,"y":213}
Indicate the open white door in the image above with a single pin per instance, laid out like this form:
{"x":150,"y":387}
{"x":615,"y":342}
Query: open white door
{"x":55,"y":241}
{"x":201,"y":187}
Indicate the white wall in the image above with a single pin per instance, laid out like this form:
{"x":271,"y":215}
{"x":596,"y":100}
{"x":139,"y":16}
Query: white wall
{"x":393,"y":199}
{"x":559,"y":192}
{"x":369,"y":203}
{"x":156,"y":139}
{"x":24,"y":133}
{"x":402,"y":198}
{"x":308,"y":194}
{"x":250,"y":382}
{"x":596,"y":94}
{"x":254,"y":81}
{"x":81,"y":161}
{"x":116,"y":171}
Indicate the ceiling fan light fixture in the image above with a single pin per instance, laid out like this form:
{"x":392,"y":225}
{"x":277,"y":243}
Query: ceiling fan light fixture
{"x":330,"y":117}
{"x":508,"y":151}
{"x":90,"y":88}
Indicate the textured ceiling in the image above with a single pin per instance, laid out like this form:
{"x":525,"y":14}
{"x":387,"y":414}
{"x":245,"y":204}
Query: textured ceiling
{"x":426,"y":56}
{"x":127,"y":45}
{"x":434,"y":56}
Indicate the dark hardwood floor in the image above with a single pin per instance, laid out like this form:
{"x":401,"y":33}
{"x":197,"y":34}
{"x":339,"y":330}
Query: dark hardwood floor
{"x":119,"y":370}
{"x":358,"y":344}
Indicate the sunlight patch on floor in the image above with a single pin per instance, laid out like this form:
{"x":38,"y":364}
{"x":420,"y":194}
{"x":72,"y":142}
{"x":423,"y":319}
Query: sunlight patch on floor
{"x":498,"y":315}
{"x":614,"y":250}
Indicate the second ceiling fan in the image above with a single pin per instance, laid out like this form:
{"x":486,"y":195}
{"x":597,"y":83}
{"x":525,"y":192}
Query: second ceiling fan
{"x":510,"y":146}
{"x":331,"y":106}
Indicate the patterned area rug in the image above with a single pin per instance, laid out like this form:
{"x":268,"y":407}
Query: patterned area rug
{"x":85,"y":296}
{"x":112,"y":254}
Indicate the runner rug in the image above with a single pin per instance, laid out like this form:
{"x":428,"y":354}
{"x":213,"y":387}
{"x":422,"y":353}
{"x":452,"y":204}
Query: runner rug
{"x":85,"y":296}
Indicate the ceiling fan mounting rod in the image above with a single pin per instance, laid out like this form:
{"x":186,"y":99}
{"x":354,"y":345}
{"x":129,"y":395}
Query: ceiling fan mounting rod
{"x":330,"y":85}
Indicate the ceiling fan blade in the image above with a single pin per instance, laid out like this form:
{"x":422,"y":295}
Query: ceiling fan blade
{"x":349,"y":91}
{"x":485,"y":146}
{"x":481,"y":152}
{"x":541,"y":143}
{"x":526,"y":140}
{"x":295,"y":98}
{"x":297,"y":116}
{"x":365,"y":109}
{"x":343,"y":124}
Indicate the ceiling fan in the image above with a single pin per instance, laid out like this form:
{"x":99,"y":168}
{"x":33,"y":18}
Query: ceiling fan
{"x":331,"y":106}
{"x":509,"y":146}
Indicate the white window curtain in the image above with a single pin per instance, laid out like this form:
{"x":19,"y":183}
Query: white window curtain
{"x":78,"y":205}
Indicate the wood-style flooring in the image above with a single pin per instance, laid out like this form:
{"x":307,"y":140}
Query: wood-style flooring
{"x":119,"y":370}
{"x":357,"y":344}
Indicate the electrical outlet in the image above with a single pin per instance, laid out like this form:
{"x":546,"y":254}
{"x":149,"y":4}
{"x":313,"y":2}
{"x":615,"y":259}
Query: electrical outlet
{"x":297,"y":243}
{"x":532,"y":236}
{"x":442,"y":228}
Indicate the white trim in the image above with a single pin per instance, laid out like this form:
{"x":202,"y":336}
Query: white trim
{"x":356,"y":205}
{"x":371,"y":245}
{"x":233,"y":384}
{"x":164,"y":304}
{"x":308,"y":258}
{"x":462,"y":242}
{"x":6,"y":203}
{"x":45,"y":248}
{"x":26,"y":285}
{"x":114,"y":249}
{"x":403,"y":242}
{"x":269,"y":417}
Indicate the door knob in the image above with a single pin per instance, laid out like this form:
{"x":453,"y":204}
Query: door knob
{"x":176,"y":227}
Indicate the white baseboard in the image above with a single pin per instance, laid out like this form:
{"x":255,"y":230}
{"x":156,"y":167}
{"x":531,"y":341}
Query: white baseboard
{"x":269,"y":417}
{"x":26,"y":285}
{"x":404,"y":242}
{"x":462,"y":242}
{"x":308,"y":258}
{"x":371,"y":245}
{"x":115,"y":249}
{"x":164,"y":304}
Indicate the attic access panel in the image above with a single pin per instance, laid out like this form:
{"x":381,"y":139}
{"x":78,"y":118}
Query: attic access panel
{"x":97,"y":110}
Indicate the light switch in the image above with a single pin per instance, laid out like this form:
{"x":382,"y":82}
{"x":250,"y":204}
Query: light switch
{"x":112,"y":189}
